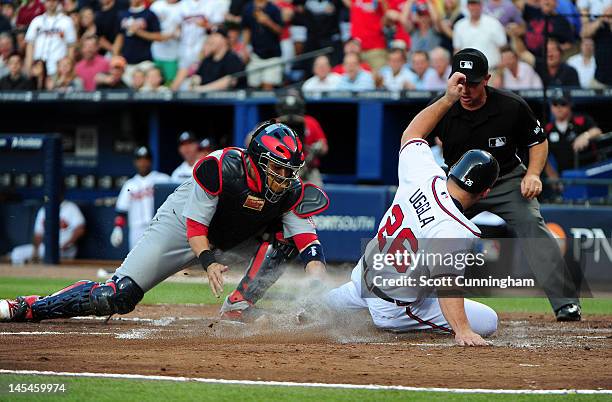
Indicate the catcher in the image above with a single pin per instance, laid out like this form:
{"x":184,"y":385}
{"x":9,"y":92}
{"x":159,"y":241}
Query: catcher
{"x":235,"y":196}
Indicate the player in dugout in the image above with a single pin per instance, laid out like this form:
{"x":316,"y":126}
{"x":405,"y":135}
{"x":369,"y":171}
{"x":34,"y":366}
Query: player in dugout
{"x":236,"y":198}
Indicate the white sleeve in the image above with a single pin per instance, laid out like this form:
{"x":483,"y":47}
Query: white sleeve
{"x":417,"y":163}
{"x":32,"y":30}
{"x":39,"y":223}
{"x":69,"y":31}
{"x":293,"y":225}
{"x":75,"y":217}
{"x":200,"y":205}
{"x":123,"y":201}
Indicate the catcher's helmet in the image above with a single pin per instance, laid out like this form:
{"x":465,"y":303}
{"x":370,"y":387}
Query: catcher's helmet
{"x":277,"y":154}
{"x":475,"y":172}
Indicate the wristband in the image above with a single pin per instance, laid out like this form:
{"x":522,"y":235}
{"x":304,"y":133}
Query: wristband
{"x":206,"y":258}
{"x":314,"y":252}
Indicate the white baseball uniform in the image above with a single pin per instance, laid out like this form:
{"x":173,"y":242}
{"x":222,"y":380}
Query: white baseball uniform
{"x":169,"y":20}
{"x":192,"y":34}
{"x":51,"y":36}
{"x":422,"y":213}
{"x":136,"y":198}
{"x":70,"y":218}
{"x":182,"y":173}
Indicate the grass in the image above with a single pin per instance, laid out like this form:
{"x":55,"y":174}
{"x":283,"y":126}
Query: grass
{"x":199,"y":293}
{"x":79,"y":389}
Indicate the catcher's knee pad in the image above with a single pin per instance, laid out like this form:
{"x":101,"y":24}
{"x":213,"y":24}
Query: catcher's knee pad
{"x":89,"y":298}
{"x":264,"y":269}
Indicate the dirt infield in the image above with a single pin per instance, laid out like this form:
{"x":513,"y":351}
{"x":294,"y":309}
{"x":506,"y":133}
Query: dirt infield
{"x":528,"y":352}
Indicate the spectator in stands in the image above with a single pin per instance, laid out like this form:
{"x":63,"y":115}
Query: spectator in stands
{"x":215,"y":70}
{"x":154,"y":81}
{"x":137,"y":78}
{"x":165,"y":53}
{"x":8,"y":11}
{"x":114,"y":79}
{"x":584,"y":63}
{"x":555,"y":72}
{"x":189,"y":149}
{"x":354,"y":77}
{"x":323,"y":79}
{"x":517,"y":74}
{"x":352,"y":45}
{"x":481,"y":32}
{"x":27,"y":12}
{"x":367,"y":26}
{"x":504,"y":11}
{"x":559,"y":27}
{"x":601,"y":31}
{"x":15,"y":80}
{"x":87,"y":22}
{"x":107,"y":24}
{"x":5,"y":24}
{"x":194,"y":16}
{"x":569,"y":134}
{"x":138,"y":28}
{"x":262,"y":25}
{"x":394,"y":76}
{"x":72,"y":228}
{"x":65,"y":79}
{"x":440,"y":63}
{"x":446,"y":20}
{"x":50,"y":37}
{"x":591,"y":10}
{"x":6,"y":50}
{"x":322,"y":20}
{"x":420,"y":66}
{"x":38,"y":74}
{"x":91,"y":64}
{"x":417,"y":19}
{"x":235,"y":41}
{"x":394,"y":23}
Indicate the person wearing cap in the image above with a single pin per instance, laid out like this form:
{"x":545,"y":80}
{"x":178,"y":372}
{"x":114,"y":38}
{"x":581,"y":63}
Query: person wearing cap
{"x":207,"y":146}
{"x":500,"y":122}
{"x":215,"y":70}
{"x":135,"y":203}
{"x":480,"y":31}
{"x":114,"y":79}
{"x":188,"y":148}
{"x":569,"y":134}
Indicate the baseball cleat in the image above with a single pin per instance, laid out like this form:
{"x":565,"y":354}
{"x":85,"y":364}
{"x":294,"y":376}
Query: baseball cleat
{"x":17,"y":310}
{"x":238,"y":311}
{"x":569,"y":312}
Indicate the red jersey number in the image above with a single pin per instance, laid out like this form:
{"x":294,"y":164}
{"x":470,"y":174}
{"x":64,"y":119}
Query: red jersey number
{"x":393,"y":223}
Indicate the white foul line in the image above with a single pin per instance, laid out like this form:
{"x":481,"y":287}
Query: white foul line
{"x":312,"y":385}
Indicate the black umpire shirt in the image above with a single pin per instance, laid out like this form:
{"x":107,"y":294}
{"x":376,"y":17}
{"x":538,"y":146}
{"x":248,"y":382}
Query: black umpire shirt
{"x":503,"y":124}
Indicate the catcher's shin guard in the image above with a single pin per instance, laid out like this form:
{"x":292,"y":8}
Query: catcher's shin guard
{"x":117,"y":296}
{"x":264,"y":269}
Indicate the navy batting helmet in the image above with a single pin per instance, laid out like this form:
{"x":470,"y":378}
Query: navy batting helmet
{"x":475,"y":172}
{"x":277,"y":153}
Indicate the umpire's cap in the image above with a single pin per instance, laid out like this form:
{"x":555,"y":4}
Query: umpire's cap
{"x":475,"y":172}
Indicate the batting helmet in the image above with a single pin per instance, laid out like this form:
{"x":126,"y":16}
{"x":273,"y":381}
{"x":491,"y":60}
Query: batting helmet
{"x":277,"y":153}
{"x":475,"y":172}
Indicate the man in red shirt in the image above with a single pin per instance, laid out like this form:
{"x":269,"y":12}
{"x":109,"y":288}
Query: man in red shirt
{"x":91,"y":64}
{"x":367,"y":25}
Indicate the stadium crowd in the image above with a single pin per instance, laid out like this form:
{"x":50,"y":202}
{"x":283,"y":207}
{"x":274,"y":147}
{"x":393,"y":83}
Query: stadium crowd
{"x":204,"y":45}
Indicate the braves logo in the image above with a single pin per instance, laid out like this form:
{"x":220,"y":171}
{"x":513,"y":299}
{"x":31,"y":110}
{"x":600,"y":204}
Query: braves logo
{"x":469,"y":182}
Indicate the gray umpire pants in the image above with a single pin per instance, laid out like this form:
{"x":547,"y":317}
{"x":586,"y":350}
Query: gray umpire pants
{"x":523,"y":216}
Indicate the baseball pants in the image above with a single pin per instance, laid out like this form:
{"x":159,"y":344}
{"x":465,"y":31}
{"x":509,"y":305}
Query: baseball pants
{"x":523,"y":216}
{"x":424,"y":314}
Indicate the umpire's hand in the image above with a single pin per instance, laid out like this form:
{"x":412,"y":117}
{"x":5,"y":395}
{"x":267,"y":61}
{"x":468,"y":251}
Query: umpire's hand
{"x":531,"y":186}
{"x":215,"y":277}
{"x":455,"y":87}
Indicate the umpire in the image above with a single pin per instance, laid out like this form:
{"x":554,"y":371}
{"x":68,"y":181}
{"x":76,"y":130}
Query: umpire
{"x":500,"y":122}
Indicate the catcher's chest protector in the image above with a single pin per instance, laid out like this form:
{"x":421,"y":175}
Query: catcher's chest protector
{"x":242,"y":213}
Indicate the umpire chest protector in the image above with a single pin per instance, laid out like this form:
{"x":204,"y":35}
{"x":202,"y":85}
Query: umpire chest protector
{"x":242,"y":210}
